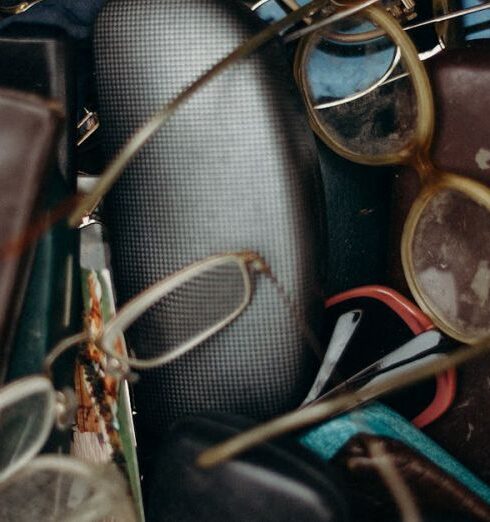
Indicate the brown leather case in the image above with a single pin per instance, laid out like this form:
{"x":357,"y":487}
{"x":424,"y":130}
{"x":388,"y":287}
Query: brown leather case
{"x":28,"y":127}
{"x":461,"y":85}
{"x":437,"y":495}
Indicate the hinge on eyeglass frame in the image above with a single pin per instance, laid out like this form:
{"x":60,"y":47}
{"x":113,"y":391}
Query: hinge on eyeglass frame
{"x":21,"y":7}
{"x":87,"y":126}
{"x":402,"y":10}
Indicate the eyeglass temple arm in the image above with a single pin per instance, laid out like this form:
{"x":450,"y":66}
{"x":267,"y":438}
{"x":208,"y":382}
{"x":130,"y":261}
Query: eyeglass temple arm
{"x":314,"y":414}
{"x":59,"y":349}
{"x":344,"y":330}
{"x":425,"y":344}
{"x":423,"y":57}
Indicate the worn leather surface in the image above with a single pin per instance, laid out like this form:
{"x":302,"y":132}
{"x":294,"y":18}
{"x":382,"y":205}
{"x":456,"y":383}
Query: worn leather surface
{"x":28,"y":127}
{"x":437,"y":495}
{"x":276,"y":482}
{"x":460,"y":80}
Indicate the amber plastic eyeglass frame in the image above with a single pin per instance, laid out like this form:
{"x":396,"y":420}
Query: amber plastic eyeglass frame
{"x":414,"y":153}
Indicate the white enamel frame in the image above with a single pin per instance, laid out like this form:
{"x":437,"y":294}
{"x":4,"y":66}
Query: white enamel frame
{"x":132,"y":310}
{"x":18,"y":391}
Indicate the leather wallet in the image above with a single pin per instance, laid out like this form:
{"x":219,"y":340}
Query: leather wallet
{"x":437,"y":495}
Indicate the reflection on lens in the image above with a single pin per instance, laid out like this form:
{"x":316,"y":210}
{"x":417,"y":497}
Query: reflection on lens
{"x":63,"y":489}
{"x":451,"y":260}
{"x":337,"y":70}
{"x":379,"y":123}
{"x":206,"y":300}
{"x":24,"y":426}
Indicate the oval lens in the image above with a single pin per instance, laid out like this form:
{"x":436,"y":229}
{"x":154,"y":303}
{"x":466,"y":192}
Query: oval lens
{"x":450,"y":256}
{"x":63,"y":488}
{"x":184,"y":309}
{"x":27,"y":410}
{"x":374,"y":127}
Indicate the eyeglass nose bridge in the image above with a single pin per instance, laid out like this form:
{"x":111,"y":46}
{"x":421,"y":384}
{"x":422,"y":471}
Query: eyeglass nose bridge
{"x":66,"y":405}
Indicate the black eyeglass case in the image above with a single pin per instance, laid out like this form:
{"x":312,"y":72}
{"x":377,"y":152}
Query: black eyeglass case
{"x":275,"y":482}
{"x":235,"y":169}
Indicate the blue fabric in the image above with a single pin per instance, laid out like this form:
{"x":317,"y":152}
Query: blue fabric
{"x":76,"y":17}
{"x":326,"y":440}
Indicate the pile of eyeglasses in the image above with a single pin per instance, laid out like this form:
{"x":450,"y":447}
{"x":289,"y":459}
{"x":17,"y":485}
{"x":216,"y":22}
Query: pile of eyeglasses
{"x":359,"y":68}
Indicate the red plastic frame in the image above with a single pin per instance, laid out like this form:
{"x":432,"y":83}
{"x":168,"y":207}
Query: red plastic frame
{"x":418,"y":322}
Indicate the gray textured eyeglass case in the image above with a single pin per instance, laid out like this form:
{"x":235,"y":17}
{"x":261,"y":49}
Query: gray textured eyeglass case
{"x":235,"y":169}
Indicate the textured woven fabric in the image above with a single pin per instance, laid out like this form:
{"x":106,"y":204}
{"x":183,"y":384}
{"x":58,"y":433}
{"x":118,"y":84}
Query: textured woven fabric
{"x":235,"y":169}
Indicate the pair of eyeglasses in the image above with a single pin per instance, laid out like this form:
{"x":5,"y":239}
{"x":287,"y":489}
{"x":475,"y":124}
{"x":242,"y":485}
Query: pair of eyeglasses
{"x":197,"y":301}
{"x":51,"y":487}
{"x":342,"y":48}
{"x":375,"y":333}
{"x":445,"y":243}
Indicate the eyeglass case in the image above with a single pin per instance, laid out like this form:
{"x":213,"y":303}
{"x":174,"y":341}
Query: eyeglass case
{"x":275,"y":482}
{"x":235,"y":168}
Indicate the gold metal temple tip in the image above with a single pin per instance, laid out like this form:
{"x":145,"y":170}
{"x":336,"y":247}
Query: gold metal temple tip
{"x":220,"y":453}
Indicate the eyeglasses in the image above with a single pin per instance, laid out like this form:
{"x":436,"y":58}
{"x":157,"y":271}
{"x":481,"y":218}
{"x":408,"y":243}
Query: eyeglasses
{"x":64,"y":488}
{"x":342,"y":49}
{"x":197,"y":302}
{"x":445,"y":248}
{"x":386,"y":325}
{"x":52,"y":487}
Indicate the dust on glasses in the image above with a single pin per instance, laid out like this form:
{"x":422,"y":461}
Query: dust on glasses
{"x":50,"y":487}
{"x":196,"y":303}
{"x":445,"y":243}
{"x":389,"y":333}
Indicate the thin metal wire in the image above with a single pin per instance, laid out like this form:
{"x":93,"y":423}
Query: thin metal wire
{"x":138,"y":140}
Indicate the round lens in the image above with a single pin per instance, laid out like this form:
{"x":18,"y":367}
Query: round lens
{"x":361,"y":101}
{"x":26,"y":418}
{"x":450,"y":258}
{"x":63,"y":488}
